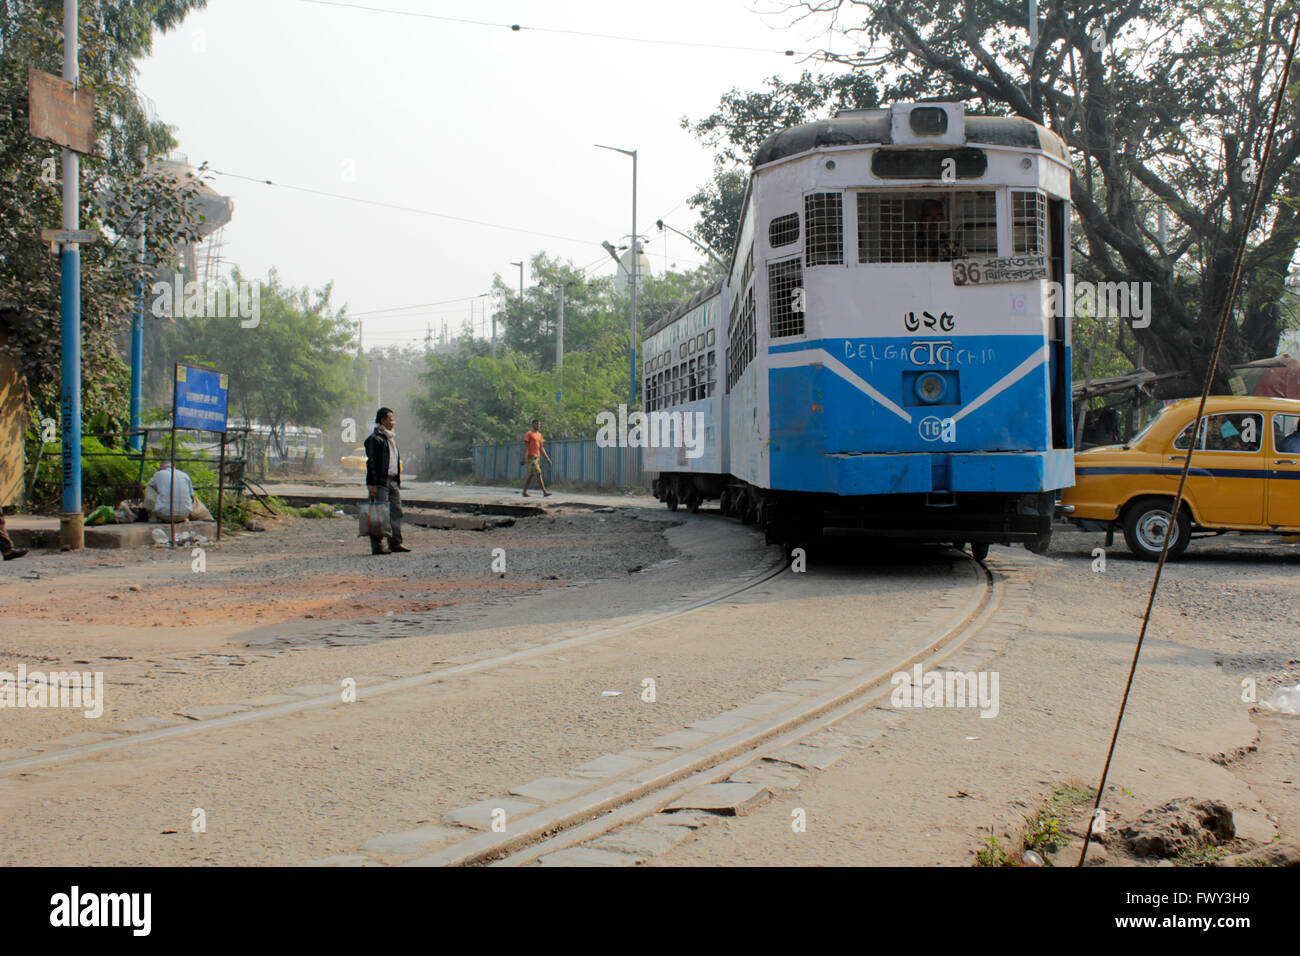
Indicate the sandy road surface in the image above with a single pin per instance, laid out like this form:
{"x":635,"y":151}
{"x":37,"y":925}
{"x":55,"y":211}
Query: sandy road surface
{"x":320,"y":784}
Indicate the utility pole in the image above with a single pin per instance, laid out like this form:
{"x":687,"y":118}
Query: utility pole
{"x":632,"y":274}
{"x":137,"y":333}
{"x":559,"y":346}
{"x":71,"y":521}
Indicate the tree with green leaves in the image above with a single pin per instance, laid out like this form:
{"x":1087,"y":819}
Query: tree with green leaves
{"x":295,"y":366}
{"x":1163,"y":104}
{"x":117,"y":195}
{"x":738,"y":127}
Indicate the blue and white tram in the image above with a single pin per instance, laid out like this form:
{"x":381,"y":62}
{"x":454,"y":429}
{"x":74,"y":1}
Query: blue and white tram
{"x":892,"y":361}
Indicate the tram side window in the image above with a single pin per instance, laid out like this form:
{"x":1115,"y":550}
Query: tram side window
{"x":783,"y":230}
{"x":785,"y":298}
{"x":824,"y":223}
{"x":926,"y":226}
{"x":1028,"y":223}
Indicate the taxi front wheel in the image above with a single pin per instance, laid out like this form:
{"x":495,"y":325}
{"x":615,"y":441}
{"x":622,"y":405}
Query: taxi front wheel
{"x":1145,"y":525}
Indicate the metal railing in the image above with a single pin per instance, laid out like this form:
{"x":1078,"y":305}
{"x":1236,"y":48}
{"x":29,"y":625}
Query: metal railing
{"x":572,"y":459}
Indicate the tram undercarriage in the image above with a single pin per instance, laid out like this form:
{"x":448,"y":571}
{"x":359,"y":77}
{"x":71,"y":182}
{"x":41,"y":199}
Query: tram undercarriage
{"x":793,"y":518}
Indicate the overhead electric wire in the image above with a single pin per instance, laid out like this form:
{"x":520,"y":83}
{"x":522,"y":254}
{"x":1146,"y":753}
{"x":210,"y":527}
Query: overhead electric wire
{"x":1238,"y":260}
{"x":401,"y":208}
{"x":585,"y":34}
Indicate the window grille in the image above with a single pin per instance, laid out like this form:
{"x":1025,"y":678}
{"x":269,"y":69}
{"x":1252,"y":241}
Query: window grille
{"x":1028,"y":223}
{"x":783,"y":230}
{"x":824,"y":219}
{"x":926,"y":226}
{"x":785,"y":298}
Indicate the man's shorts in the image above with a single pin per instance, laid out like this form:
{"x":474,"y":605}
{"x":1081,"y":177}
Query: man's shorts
{"x":535,"y":465}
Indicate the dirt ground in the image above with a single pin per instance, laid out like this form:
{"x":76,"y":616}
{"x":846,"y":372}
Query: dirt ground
{"x":933,"y":785}
{"x":304,"y":602}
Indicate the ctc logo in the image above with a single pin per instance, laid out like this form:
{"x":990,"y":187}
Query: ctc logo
{"x":931,"y":352}
{"x":937,"y":429}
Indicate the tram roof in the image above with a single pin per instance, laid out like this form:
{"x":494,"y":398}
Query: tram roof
{"x":694,"y":301}
{"x":872,"y":128}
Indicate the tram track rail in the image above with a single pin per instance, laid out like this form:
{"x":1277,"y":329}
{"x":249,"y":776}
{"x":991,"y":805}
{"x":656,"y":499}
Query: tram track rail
{"x":615,"y":803}
{"x":635,"y":623}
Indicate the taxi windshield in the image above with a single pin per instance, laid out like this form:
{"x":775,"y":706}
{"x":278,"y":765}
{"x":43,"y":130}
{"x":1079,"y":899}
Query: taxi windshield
{"x":1147,"y":427}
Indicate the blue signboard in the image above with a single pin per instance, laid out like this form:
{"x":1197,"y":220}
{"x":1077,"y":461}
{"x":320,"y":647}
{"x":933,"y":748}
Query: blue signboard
{"x":201,"y":398}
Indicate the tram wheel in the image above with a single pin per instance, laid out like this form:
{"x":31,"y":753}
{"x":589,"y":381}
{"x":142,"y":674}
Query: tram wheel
{"x":693,"y":501}
{"x":670,"y":499}
{"x":979,"y":550}
{"x":724,"y":501}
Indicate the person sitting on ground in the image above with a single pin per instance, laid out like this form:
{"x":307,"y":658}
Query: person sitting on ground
{"x":533,"y":454}
{"x":7,"y":550}
{"x":164,"y":482}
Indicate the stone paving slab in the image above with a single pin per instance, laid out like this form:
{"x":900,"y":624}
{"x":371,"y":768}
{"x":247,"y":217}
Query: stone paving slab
{"x":411,"y":841}
{"x":552,"y":789}
{"x":137,"y":725}
{"x":479,"y":816}
{"x":721,"y":724}
{"x":725,"y":799}
{"x":339,"y":861}
{"x":772,"y":776}
{"x":78,"y":740}
{"x":680,"y":739}
{"x":269,"y":700}
{"x":642,"y":840}
{"x":215,"y":710}
{"x":809,"y":758}
{"x":610,"y":765}
{"x":585,"y":856}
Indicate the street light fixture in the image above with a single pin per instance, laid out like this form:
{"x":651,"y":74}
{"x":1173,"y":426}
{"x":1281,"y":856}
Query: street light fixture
{"x":631,"y":331}
{"x":697,"y":244}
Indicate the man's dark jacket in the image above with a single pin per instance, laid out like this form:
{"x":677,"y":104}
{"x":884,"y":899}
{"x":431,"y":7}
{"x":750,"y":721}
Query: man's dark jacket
{"x":377,"y":461}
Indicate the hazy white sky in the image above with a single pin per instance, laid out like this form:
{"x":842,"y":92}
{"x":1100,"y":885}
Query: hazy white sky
{"x":479,"y":122}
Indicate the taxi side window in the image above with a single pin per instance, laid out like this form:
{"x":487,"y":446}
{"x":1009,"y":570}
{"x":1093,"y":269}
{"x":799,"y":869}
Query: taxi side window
{"x":1286,"y":433}
{"x":1237,"y":431}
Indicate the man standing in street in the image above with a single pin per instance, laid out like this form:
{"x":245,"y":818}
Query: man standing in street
{"x":533,"y":455}
{"x":384,"y":478}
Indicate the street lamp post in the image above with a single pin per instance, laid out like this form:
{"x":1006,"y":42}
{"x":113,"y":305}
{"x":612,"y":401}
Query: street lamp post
{"x":631,"y":331}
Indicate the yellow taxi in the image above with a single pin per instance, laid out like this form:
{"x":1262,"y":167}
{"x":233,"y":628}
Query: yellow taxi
{"x":357,"y":461}
{"x":1245,"y":475}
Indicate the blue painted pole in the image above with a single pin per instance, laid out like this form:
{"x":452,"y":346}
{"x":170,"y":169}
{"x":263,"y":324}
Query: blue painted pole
{"x":137,"y":343}
{"x":71,"y":331}
{"x":137,"y":369}
{"x":71,"y":521}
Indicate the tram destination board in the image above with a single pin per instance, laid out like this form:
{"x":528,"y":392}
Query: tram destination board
{"x":59,"y":112}
{"x":990,"y":269}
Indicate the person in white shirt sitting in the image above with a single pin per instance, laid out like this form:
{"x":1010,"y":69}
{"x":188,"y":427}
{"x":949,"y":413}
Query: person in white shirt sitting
{"x":164,"y":483}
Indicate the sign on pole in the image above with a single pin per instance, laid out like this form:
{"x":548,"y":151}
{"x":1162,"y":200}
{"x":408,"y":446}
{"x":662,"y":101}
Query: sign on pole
{"x":200,"y":398}
{"x":60,"y":112}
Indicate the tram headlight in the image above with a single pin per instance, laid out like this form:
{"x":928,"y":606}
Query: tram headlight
{"x":930,"y":387}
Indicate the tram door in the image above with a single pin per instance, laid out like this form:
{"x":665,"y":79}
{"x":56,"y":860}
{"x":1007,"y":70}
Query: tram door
{"x":1062,"y":414}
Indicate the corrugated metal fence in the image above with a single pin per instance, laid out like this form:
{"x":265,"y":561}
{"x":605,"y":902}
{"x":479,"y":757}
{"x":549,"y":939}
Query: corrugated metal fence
{"x":574,"y":459}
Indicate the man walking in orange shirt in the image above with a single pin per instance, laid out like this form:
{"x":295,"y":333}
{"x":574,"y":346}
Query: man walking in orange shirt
{"x":533,"y":455}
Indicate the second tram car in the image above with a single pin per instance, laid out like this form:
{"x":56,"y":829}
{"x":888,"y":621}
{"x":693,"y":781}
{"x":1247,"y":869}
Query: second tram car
{"x":883,"y":352}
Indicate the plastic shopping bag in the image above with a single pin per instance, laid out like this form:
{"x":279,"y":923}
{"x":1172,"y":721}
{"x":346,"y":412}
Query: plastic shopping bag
{"x":374,"y":520}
